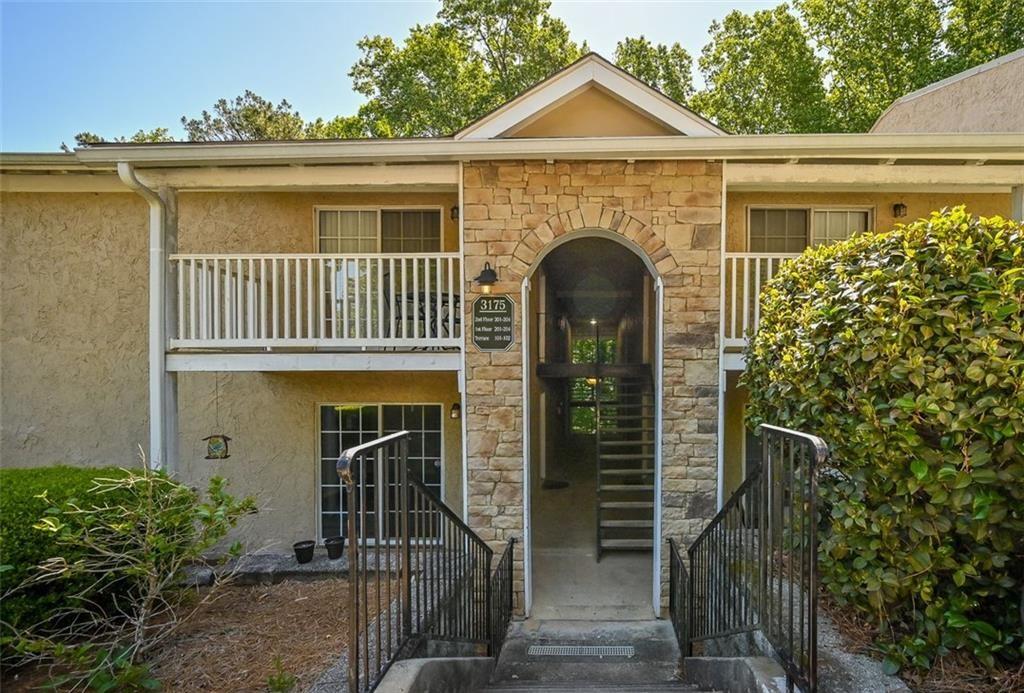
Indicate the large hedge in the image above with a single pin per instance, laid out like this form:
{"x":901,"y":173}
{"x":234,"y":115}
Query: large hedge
{"x":25,"y":496}
{"x":905,"y":351}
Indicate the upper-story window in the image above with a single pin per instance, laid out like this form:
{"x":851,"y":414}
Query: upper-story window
{"x":378,"y":230}
{"x":790,"y":230}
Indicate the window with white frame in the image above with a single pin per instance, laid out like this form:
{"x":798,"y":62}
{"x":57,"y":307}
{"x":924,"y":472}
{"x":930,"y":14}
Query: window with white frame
{"x":777,"y":230}
{"x":790,"y":230}
{"x":831,"y":225}
{"x":378,"y":230}
{"x":345,"y":425}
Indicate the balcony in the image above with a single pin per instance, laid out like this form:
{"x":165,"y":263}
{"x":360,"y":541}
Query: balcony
{"x":745,"y":276}
{"x":364,"y":302}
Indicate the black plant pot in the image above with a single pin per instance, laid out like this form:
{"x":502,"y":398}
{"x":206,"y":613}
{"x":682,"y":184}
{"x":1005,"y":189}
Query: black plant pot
{"x":304,"y":551}
{"x":335,"y":547}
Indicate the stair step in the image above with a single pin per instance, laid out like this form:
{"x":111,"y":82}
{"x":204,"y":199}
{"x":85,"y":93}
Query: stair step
{"x":596,"y":687}
{"x":622,"y":443}
{"x":625,"y":544}
{"x":628,"y":472}
{"x":621,"y":524}
{"x":626,"y":487}
{"x":627,"y":505}
{"x":628,"y":429}
{"x":627,"y":456}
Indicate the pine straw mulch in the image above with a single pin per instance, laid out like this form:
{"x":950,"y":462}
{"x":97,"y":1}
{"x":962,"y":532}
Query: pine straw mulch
{"x":957,"y":672}
{"x":249,"y":633}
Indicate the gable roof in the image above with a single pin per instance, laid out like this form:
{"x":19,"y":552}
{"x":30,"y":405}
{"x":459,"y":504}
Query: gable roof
{"x":588,"y":72}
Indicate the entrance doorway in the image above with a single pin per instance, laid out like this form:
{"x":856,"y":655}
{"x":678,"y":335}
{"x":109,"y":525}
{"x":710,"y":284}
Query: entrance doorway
{"x":592,"y":432}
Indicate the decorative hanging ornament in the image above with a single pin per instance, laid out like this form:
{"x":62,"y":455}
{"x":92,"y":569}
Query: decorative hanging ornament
{"x":217,"y":447}
{"x":217,"y":444}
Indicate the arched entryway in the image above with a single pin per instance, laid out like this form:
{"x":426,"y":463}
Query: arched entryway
{"x":591,"y":304}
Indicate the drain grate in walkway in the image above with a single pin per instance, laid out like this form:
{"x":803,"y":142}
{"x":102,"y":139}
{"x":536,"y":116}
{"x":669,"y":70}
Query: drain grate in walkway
{"x":580,"y":651}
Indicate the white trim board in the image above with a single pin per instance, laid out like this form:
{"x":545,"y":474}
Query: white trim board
{"x":591,"y":70}
{"x":317,"y":361}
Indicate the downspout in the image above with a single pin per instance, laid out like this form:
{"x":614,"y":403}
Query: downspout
{"x":158,"y":444}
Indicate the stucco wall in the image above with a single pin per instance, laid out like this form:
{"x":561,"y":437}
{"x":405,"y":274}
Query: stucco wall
{"x":918,"y":205}
{"x":73,"y":345}
{"x":73,"y":328}
{"x":990,"y":100}
{"x":272,"y":419}
{"x":671,"y":211}
{"x":283,"y":222}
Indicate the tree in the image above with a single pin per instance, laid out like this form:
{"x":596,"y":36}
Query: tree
{"x":762,"y":75}
{"x":666,"y":68}
{"x":480,"y":54}
{"x":84,"y":139}
{"x":876,"y":51}
{"x":980,"y":30}
{"x":246,"y":117}
{"x":431,"y":85}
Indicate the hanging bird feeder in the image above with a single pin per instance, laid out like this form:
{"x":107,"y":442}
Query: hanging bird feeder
{"x":217,"y":447}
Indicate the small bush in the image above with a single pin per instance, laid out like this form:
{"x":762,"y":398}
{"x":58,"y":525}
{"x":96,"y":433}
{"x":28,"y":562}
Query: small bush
{"x":25,"y":495}
{"x":905,"y":351}
{"x":119,"y":552}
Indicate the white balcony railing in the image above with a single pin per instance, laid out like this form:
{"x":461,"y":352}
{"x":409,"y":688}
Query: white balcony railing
{"x":745,"y":276}
{"x":308,"y":301}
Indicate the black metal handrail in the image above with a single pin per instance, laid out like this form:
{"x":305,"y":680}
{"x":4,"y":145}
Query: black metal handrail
{"x":501,"y":597}
{"x":755,"y":565}
{"x":416,"y":570}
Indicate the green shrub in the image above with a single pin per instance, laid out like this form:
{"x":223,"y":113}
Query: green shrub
{"x":117,"y":558}
{"x":905,"y":351}
{"x":25,"y":495}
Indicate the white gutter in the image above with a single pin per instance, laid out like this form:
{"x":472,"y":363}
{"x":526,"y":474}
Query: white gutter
{"x":159,"y":443}
{"x":973,"y":146}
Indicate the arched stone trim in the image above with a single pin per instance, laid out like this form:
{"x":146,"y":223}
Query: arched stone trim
{"x":590,"y":216}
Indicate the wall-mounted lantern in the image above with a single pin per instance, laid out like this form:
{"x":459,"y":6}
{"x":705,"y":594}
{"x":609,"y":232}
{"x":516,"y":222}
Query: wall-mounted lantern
{"x":455,"y":412}
{"x":487,"y":278}
{"x":454,"y":213}
{"x":899,"y":210}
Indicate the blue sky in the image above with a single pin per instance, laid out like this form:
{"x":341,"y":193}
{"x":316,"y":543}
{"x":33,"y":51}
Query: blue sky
{"x":113,"y":68}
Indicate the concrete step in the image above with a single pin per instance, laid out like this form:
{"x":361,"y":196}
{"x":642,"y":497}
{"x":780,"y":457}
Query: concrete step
{"x":593,"y":687}
{"x":628,"y":472}
{"x":621,"y":443}
{"x":626,"y":544}
{"x":627,"y":505}
{"x":625,"y":488}
{"x":627,"y":456}
{"x":624,"y":524}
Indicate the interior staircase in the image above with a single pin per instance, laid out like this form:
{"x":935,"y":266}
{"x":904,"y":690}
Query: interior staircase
{"x":625,"y":467}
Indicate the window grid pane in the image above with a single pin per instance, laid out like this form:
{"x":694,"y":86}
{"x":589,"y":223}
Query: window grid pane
{"x":777,"y":230}
{"x":347,"y":231}
{"x":343,"y":426}
{"x":838,"y":225}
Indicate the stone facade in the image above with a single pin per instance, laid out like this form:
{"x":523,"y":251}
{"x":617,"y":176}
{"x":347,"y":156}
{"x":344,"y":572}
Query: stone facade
{"x":671,"y":211}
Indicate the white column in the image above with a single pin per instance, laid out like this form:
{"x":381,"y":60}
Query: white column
{"x":1017,"y":202}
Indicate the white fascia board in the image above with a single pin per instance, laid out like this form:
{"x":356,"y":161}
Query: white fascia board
{"x":62,"y":182}
{"x":825,"y":177}
{"x":317,"y":361}
{"x":973,"y":146}
{"x":442,"y":176}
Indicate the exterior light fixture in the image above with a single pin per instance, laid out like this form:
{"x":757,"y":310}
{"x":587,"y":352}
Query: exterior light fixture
{"x":899,"y":210}
{"x":455,"y":412}
{"x":592,"y":382}
{"x":593,"y":321}
{"x":454,"y":213}
{"x":487,"y":278}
